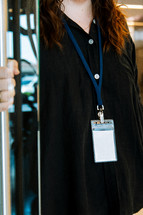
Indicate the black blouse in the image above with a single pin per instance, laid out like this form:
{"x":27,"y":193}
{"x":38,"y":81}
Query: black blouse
{"x":72,"y":184}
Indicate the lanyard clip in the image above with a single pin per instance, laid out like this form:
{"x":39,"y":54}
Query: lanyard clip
{"x":100,"y":109}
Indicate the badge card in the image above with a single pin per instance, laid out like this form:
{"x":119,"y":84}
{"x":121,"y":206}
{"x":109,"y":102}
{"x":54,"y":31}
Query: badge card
{"x":104,"y":144}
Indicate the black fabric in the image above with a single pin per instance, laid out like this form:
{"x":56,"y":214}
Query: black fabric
{"x":71,"y":182}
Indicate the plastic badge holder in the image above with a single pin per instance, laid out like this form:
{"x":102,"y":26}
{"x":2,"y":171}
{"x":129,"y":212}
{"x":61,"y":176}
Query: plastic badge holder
{"x":104,"y":143}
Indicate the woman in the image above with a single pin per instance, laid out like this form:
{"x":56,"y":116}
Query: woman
{"x":72,"y":182}
{"x":7,"y":84}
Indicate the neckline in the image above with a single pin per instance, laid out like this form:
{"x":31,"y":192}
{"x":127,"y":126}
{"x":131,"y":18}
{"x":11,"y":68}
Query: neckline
{"x":75,"y":24}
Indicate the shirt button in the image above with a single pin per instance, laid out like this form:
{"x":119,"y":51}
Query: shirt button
{"x":94,"y":21}
{"x":90,"y":41}
{"x":96,"y":76}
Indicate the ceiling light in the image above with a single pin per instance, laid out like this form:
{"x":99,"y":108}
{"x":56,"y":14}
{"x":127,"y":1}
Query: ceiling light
{"x":131,"y":6}
{"x":135,"y":24}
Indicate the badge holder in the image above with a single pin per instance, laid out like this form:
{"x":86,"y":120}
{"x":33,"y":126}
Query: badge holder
{"x":103,"y":134}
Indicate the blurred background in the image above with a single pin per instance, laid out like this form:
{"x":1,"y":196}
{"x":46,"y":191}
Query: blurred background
{"x":134,"y":13}
{"x":22,"y":44}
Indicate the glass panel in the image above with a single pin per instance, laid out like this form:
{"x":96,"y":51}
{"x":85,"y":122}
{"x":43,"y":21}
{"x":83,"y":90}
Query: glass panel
{"x":23,"y":114}
{"x":135,"y":22}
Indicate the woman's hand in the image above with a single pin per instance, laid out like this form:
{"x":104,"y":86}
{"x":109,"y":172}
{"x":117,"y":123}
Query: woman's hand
{"x":7,"y":84}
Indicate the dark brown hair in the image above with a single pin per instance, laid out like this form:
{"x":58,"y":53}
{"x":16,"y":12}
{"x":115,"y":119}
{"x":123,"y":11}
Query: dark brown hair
{"x":112,"y":22}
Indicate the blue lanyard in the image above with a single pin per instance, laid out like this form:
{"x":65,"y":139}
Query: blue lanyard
{"x":96,"y":86}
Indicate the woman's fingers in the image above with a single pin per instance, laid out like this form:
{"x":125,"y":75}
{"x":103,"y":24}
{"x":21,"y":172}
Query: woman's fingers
{"x":7,"y":84}
{"x":6,"y":72}
{"x":10,"y":70}
{"x":6,"y":96}
{"x":13,"y":65}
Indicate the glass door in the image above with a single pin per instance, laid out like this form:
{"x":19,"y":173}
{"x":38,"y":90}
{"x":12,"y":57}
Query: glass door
{"x":22,"y":45}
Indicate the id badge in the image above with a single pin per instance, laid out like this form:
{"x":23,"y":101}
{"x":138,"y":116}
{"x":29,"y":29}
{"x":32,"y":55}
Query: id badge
{"x":104,"y":143}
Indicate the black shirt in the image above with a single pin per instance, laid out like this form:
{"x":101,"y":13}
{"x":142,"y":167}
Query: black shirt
{"x":71,"y":182}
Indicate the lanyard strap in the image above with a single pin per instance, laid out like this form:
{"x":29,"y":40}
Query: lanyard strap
{"x":96,"y":86}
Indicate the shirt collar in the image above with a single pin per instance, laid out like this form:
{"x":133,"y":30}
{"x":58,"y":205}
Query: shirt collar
{"x":71,"y":23}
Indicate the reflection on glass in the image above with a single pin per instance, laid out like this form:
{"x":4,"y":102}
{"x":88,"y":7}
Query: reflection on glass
{"x":29,"y":81}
